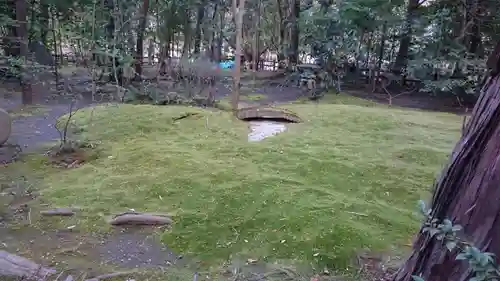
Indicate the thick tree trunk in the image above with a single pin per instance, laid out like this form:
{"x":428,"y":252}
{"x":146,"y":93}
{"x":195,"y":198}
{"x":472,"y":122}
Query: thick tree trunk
{"x":404,"y":44}
{"x":293,"y":56}
{"x":467,"y":192}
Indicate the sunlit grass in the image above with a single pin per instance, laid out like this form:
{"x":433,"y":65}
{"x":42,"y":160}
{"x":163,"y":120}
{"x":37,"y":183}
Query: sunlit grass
{"x":346,"y":179}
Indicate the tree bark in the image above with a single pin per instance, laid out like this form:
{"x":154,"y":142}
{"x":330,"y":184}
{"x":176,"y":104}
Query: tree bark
{"x":197,"y":33}
{"x":404,"y":45}
{"x":293,"y":55}
{"x":44,"y":21}
{"x":140,"y":39}
{"x":27,"y":94}
{"x":239,"y":10}
{"x":467,"y":191}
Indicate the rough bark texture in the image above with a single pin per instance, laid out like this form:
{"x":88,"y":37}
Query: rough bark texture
{"x":467,"y":192}
{"x":140,"y":39}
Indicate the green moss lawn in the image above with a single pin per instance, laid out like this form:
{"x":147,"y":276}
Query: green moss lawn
{"x":347,"y":179}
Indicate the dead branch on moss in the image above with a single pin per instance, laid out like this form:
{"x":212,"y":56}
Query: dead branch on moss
{"x":135,"y":218}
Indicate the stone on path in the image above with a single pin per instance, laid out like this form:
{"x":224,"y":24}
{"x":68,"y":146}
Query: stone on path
{"x":5,"y":126}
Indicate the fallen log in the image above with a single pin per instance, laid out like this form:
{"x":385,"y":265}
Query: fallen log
{"x":5,"y":126}
{"x":134,"y":218}
{"x":15,"y":266}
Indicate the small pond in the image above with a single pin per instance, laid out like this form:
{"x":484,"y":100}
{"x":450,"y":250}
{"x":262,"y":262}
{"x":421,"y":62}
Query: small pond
{"x":262,"y":129}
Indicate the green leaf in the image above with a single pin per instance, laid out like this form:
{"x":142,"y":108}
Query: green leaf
{"x":433,"y":231}
{"x":451,"y":245}
{"x":461,"y":257}
{"x":417,"y":278}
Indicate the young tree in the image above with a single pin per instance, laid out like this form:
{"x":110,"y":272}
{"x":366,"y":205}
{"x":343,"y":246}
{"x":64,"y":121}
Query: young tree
{"x":467,"y":192}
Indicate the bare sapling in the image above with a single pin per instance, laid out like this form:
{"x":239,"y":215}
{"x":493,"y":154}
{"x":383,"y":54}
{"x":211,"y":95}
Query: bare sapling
{"x":385,"y":83}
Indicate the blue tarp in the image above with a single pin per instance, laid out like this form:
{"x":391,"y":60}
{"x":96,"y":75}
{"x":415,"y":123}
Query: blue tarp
{"x":226,"y":64}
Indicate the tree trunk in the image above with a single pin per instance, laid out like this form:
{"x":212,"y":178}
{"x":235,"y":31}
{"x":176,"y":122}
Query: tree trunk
{"x":27,"y":94}
{"x":197,"y":33}
{"x":255,"y":55}
{"x":293,"y":55}
{"x":282,"y":26}
{"x":44,"y":21}
{"x":404,"y":44}
{"x":467,"y":191}
{"x":140,"y":39}
{"x":11,"y":43}
{"x":239,"y":10}
{"x":187,"y":36}
{"x":54,"y":38}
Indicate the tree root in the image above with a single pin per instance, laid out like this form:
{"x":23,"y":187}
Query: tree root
{"x":134,"y":218}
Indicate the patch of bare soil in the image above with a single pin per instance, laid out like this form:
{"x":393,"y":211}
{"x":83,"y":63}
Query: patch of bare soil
{"x":416,"y":101}
{"x":57,"y":242}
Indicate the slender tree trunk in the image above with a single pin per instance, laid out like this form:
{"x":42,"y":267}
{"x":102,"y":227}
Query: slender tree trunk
{"x":256,"y":52}
{"x":27,"y":94}
{"x":140,"y":39}
{"x":239,"y":10}
{"x":54,"y":38}
{"x":467,"y":192}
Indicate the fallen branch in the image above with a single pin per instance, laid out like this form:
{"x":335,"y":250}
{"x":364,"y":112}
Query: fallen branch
{"x":15,"y":266}
{"x":134,"y":218}
{"x":185,"y":115}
